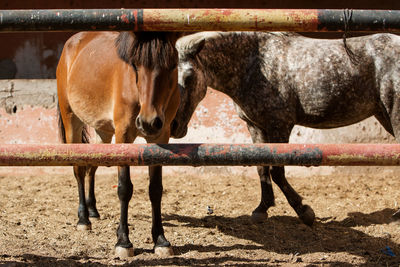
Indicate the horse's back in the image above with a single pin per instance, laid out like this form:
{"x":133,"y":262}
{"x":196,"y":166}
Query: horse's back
{"x":318,"y":80}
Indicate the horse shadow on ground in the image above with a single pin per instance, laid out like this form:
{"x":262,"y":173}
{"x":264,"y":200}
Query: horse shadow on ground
{"x":287,"y":235}
{"x":46,"y":261}
{"x":281,"y":234}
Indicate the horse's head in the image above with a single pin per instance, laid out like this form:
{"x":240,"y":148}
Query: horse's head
{"x":154,"y":57}
{"x":191,"y":82}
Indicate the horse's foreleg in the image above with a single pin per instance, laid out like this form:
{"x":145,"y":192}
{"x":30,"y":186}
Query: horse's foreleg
{"x":124,"y":247}
{"x":260,"y":214}
{"x":161,"y":245}
{"x":305,"y":212}
{"x":277,"y":133}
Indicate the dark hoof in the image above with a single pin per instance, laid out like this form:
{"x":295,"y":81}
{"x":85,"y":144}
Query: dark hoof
{"x":93,"y":213}
{"x":307,"y":215}
{"x":259,"y":217}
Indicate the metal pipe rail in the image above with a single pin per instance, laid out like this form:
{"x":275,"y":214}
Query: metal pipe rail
{"x":300,"y":20}
{"x":201,"y":154}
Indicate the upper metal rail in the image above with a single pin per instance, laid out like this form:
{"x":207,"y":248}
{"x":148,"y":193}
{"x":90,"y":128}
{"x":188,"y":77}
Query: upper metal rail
{"x":299,"y":20}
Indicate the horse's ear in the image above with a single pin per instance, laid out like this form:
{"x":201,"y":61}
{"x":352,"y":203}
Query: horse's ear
{"x":197,"y":47}
{"x":189,"y":46}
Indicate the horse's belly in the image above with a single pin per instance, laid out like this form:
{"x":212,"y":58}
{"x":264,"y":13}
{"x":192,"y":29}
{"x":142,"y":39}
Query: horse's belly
{"x":93,"y":116}
{"x":334,"y":119}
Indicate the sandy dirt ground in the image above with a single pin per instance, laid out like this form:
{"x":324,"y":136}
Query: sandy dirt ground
{"x":353,"y":227}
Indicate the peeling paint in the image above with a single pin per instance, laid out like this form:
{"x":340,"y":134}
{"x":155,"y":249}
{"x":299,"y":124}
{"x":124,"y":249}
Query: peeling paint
{"x":199,"y":155}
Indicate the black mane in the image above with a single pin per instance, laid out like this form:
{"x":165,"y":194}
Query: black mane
{"x":148,"y":49}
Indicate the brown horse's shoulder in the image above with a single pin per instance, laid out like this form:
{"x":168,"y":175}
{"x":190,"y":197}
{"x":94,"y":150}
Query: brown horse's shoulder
{"x":75,"y":40}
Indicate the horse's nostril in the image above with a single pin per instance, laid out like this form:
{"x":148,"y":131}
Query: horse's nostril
{"x":157,"y":123}
{"x":138,"y":122}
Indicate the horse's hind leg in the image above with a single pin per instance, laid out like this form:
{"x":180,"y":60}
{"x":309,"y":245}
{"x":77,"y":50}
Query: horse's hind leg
{"x":91,"y":198}
{"x":102,"y":137}
{"x":83,"y":212}
{"x":392,"y":125}
{"x":73,"y":134}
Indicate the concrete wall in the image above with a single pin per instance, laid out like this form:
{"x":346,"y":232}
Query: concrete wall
{"x":28,"y":115}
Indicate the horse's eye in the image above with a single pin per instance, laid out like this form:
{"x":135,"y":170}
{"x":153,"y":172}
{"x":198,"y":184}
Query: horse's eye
{"x":173,"y":67}
{"x":188,"y":75}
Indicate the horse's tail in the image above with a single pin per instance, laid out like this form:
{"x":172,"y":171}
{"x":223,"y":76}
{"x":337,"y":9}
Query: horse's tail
{"x":85,"y":135}
{"x":61,"y":129}
{"x":347,"y":14}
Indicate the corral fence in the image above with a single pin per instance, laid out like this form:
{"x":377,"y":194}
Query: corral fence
{"x":190,"y":20}
{"x":200,"y":154}
{"x":301,"y":20}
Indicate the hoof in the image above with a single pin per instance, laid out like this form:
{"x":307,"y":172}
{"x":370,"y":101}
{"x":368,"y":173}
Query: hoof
{"x":259,"y":217}
{"x":163,"y":251}
{"x":84,"y":227}
{"x":94,"y":214}
{"x":124,"y":253}
{"x":307,"y":215}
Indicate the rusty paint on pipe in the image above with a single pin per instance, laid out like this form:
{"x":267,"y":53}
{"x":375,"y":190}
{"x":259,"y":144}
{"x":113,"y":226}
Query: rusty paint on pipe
{"x":201,"y":154}
{"x":304,"y":20}
{"x":230,"y":19}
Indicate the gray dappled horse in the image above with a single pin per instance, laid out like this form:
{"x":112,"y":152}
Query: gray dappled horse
{"x":278,"y":80}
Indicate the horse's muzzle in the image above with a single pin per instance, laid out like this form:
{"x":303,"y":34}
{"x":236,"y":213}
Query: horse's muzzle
{"x":177,"y":131}
{"x":150,"y":128}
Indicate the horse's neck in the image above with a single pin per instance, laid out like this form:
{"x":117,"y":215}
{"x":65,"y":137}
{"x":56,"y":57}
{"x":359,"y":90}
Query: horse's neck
{"x":227,"y":67}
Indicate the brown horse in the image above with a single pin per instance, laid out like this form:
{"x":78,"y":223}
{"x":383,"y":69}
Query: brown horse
{"x":123,"y":84}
